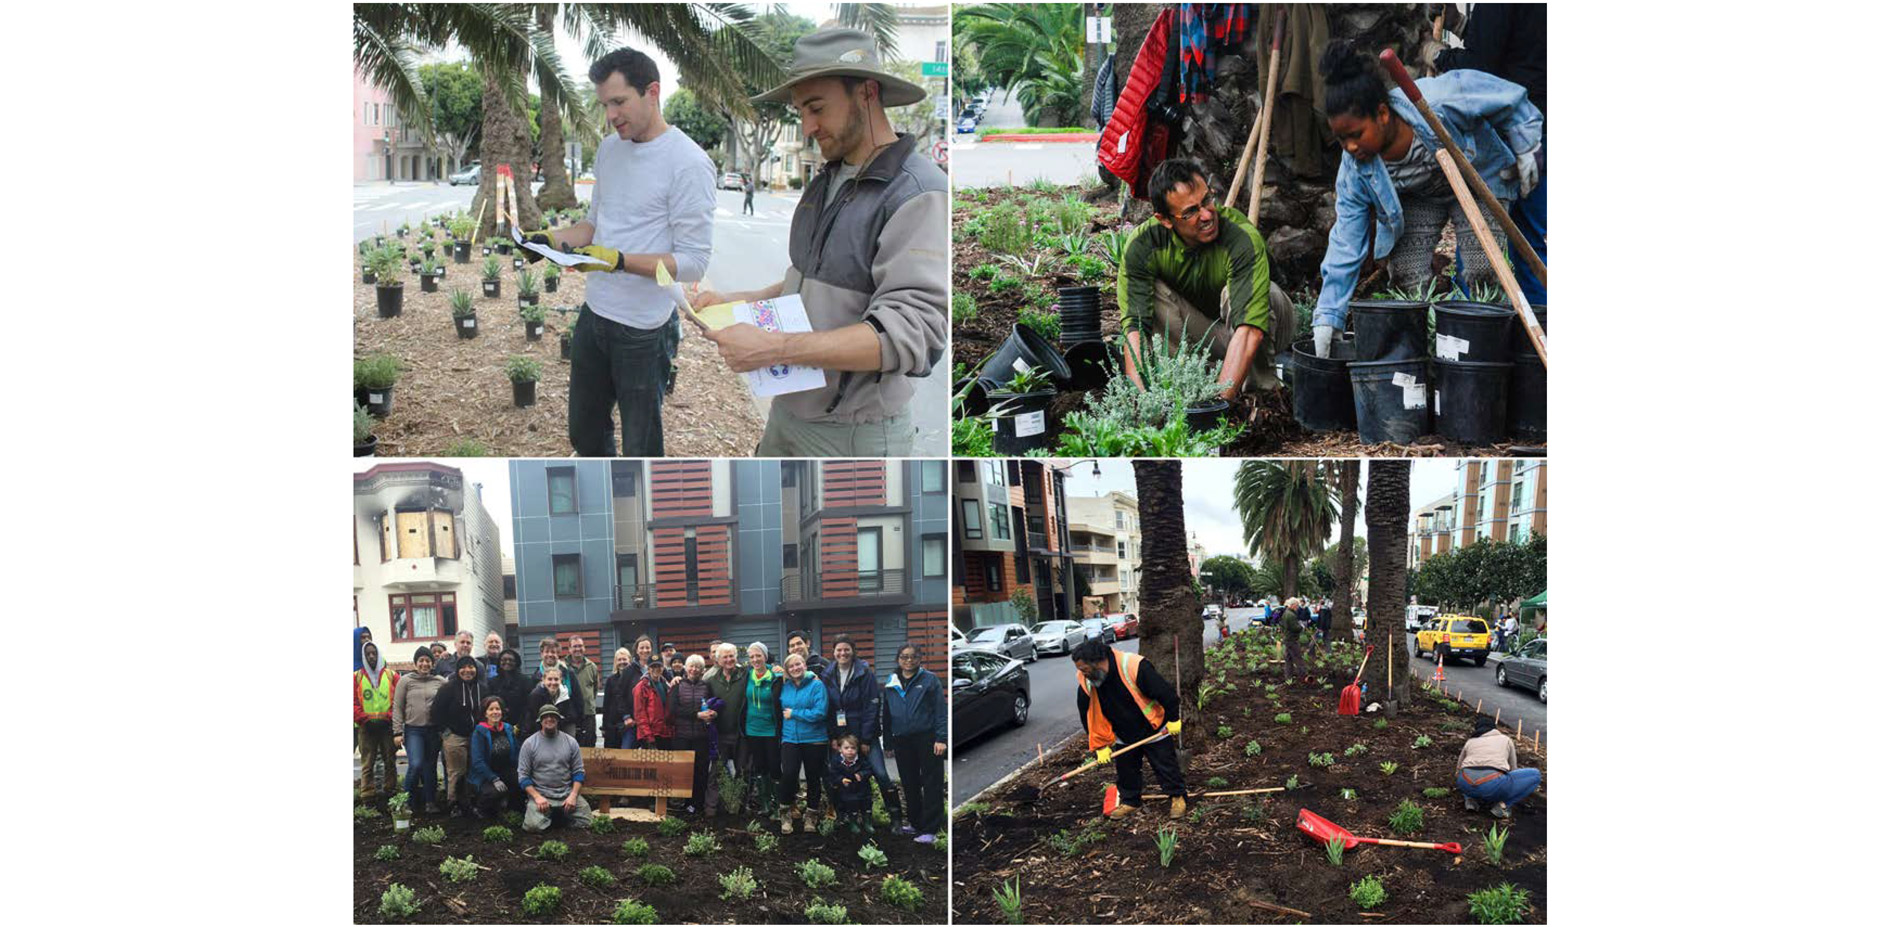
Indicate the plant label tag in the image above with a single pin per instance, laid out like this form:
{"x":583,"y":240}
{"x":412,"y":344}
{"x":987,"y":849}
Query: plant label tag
{"x":376,"y":398}
{"x":1415,"y":396}
{"x":537,"y":331}
{"x":993,"y":426}
{"x":1452,"y":348}
{"x":468,"y":323}
{"x":1019,"y":365}
{"x":1438,"y":396}
{"x":1029,"y":424}
{"x":1404,"y":380}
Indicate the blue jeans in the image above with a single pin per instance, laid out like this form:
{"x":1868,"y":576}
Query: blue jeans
{"x":615,"y":365}
{"x":1510,"y":788}
{"x":421,"y":745}
{"x":628,"y":737}
{"x":874,"y":755}
{"x":1529,"y":212}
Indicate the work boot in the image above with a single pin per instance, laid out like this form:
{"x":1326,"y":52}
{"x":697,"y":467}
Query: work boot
{"x":1122,"y":811}
{"x":1177,"y":807}
{"x":791,"y":814}
{"x":811,"y":820}
{"x":1501,"y":810}
{"x":1471,"y":804}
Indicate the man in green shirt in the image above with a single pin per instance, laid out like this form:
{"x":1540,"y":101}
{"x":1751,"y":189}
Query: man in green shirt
{"x":586,"y":685}
{"x":1197,"y":268}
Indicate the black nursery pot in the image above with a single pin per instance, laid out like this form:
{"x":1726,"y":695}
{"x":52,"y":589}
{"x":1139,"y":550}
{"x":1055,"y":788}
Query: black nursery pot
{"x":1521,"y":342}
{"x":389,"y":300}
{"x":1090,"y":365}
{"x":1473,"y":332}
{"x":534,"y":329}
{"x":977,"y":400}
{"x":466,"y":327}
{"x":1081,"y":310}
{"x":369,"y":276}
{"x":567,"y":346}
{"x":1526,"y":408}
{"x":524,"y":393}
{"x":523,"y":302}
{"x":1389,"y":400}
{"x":491,"y":289}
{"x":519,"y":263}
{"x":367,"y":448}
{"x":461,"y":252}
{"x":550,"y":284}
{"x":1388,"y":329}
{"x":1024,"y":345}
{"x":430,"y":283}
{"x":1322,"y":386}
{"x":1024,"y":424}
{"x":505,"y":248}
{"x":1469,"y":400}
{"x":1206,"y":415}
{"x":380,"y":401}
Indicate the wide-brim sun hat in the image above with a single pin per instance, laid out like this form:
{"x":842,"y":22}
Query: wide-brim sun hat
{"x":841,"y":52}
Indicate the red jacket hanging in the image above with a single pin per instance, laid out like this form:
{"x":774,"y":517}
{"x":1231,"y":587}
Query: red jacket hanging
{"x":1127,"y":133}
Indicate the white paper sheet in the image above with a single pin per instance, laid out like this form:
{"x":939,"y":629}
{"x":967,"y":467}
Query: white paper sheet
{"x":784,"y":314}
{"x":557,"y":256}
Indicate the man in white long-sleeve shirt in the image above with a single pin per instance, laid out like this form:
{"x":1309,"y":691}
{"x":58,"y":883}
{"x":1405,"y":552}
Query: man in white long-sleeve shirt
{"x":652,"y":205}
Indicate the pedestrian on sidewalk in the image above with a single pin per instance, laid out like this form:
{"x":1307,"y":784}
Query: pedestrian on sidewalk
{"x":747,"y":208}
{"x":868,"y":244}
{"x":1292,"y":622}
{"x":652,"y":206}
{"x":1121,"y":697}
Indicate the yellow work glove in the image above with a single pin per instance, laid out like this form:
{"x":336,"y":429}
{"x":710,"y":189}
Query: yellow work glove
{"x":600,"y":253}
{"x":538,"y":238}
{"x":1102,"y":755}
{"x":1174,"y":727}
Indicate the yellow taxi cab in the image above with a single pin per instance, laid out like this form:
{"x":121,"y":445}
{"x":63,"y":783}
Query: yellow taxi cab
{"x":1456,"y":636}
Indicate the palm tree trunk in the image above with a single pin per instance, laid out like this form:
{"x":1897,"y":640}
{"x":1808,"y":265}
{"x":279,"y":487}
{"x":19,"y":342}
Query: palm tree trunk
{"x":1170,"y":616}
{"x":1388,"y":499}
{"x":558,"y":190}
{"x":1343,"y":575}
{"x":1289,"y":575}
{"x":504,"y":141}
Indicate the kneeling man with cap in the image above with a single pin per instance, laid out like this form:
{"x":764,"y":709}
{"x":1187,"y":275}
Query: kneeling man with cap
{"x":550,"y":772}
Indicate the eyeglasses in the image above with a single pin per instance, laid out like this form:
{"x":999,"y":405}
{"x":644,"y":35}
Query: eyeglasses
{"x":1206,"y":204}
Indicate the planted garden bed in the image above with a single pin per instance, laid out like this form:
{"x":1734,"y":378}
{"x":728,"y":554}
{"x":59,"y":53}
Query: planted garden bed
{"x":1239,"y":857}
{"x":689,"y":892}
{"x":454,"y":392}
{"x":1012,"y":248}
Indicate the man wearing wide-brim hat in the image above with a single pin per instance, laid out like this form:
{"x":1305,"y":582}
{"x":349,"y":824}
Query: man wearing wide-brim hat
{"x":869,"y":257}
{"x":550,"y":771}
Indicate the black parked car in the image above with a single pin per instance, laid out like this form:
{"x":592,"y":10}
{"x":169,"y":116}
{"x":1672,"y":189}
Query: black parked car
{"x":986,"y":691}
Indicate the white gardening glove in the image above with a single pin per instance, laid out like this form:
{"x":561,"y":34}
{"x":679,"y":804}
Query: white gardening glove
{"x":1322,"y":341}
{"x":1527,"y":172}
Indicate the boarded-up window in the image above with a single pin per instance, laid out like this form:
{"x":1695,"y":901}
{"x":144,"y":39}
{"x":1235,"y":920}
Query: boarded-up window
{"x":444,"y":534}
{"x":412,"y":535}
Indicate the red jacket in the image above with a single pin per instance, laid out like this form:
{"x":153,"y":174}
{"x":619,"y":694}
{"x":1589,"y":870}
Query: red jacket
{"x":1128,"y":142}
{"x":651,"y":719}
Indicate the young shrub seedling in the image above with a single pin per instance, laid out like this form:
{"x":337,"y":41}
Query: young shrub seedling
{"x":962,"y":308}
{"x":388,"y":852}
{"x":1283,"y":718}
{"x":1494,"y":844}
{"x":1502,"y":903}
{"x":551,"y":849}
{"x":1046,"y":324}
{"x":1073,"y":846}
{"x":1253,"y":748}
{"x":655,"y":874}
{"x":635,"y":912}
{"x":636,"y":846}
{"x":701,"y":844}
{"x":1348,"y":795}
{"x":1292,"y":782}
{"x":497,"y":834}
{"x":1336,"y":851}
{"x":1380,"y":725}
{"x":1319,"y":759}
{"x":1368,"y":892}
{"x":899,"y":893}
{"x":1423,"y":741}
{"x":1437,"y":792}
{"x":826,"y":826}
{"x":491,"y":270}
{"x":672,"y":827}
{"x":1223,"y":732}
{"x":1204,"y":695}
{"x":601,"y":824}
{"x":459,"y":870}
{"x":1388,"y":767}
{"x":596,"y":877}
{"x":1165,"y":841}
{"x":1254,"y":812}
{"x":429,"y":836}
{"x":820,"y":913}
{"x":816,"y":874}
{"x":1217,"y":782}
{"x":523,"y":370}
{"x":873,"y":856}
{"x":1355,"y":750}
{"x":765,"y":843}
{"x":511,"y":818}
{"x":1009,"y":898}
{"x":362,"y":813}
{"x":1409,"y":819}
{"x":398,"y":903}
{"x":737,"y":885}
{"x":541,"y":900}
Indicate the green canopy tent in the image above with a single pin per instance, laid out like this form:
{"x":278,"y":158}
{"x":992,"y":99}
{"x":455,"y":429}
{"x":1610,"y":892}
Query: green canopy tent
{"x":1536,"y":601}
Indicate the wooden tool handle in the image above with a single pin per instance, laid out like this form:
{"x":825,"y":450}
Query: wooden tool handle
{"x":1495,"y":253}
{"x":1399,"y":843}
{"x":1092,"y":764}
{"x":1362,"y":666}
{"x":1408,"y":86}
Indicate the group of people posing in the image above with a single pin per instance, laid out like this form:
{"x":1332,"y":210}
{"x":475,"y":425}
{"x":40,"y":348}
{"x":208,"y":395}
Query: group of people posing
{"x":508,"y":734}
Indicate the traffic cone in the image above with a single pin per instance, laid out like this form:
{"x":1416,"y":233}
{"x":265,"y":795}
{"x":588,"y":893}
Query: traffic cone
{"x":1110,"y":799}
{"x":1438,"y":675}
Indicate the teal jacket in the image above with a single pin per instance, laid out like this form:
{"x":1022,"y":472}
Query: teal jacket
{"x":808,"y":702}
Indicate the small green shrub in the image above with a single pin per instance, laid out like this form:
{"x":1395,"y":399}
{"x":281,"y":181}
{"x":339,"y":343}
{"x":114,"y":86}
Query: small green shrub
{"x":388,"y":852}
{"x":601,"y":824}
{"x":1423,"y":741}
{"x":1223,"y":732}
{"x":1502,"y":903}
{"x":635,"y":912}
{"x":1283,"y":718}
{"x":655,"y":874}
{"x":737,"y":885}
{"x":962,"y":308}
{"x":1368,"y":892}
{"x":826,"y":826}
{"x":1253,"y":748}
{"x":636,"y":846}
{"x":1217,"y":782}
{"x":1409,"y":819}
{"x":526,"y":370}
{"x":1336,"y":851}
{"x":551,"y":849}
{"x":366,"y":814}
{"x":1046,"y":324}
{"x":820,"y":913}
{"x":428,"y":836}
{"x":398,"y":902}
{"x":1494,"y":844}
{"x":816,"y":874}
{"x":1165,"y":840}
{"x":873,"y":856}
{"x":1073,"y":846}
{"x":899,"y":893}
{"x":380,"y":371}
{"x":1388,"y":767}
{"x":1293,"y":782}
{"x":469,"y":447}
{"x":1348,"y":795}
{"x":1319,"y":759}
{"x":459,"y":870}
{"x":765,"y":843}
{"x":596,"y":877}
{"x":541,"y":900}
{"x":672,"y":827}
{"x":1009,"y":898}
{"x":1437,"y":792}
{"x":1355,"y":750}
{"x":701,"y":844}
{"x":511,"y":818}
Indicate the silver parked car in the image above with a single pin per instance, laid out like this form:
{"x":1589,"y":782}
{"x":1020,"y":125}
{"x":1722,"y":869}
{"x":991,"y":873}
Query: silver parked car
{"x":1009,"y":640}
{"x":1527,"y":668}
{"x":1059,"y":636}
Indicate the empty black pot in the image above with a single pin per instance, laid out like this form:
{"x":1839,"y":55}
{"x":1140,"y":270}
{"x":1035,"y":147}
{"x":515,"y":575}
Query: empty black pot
{"x":1470,"y":400}
{"x":1389,"y":400}
{"x":1479,"y":332}
{"x":1081,"y":310}
{"x":1090,"y":364}
{"x":1520,"y":342}
{"x":1206,"y":415}
{"x":1023,"y":424}
{"x":1322,"y":386}
{"x":1526,"y":408}
{"x":1388,"y":329}
{"x":1023,"y":350}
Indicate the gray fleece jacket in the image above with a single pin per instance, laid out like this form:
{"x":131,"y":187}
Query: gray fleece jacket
{"x":551,"y":764}
{"x":877,"y":254}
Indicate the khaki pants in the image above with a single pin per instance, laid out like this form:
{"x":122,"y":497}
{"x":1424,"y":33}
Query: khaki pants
{"x":455,"y":762}
{"x":786,"y":436}
{"x":533,"y":820}
{"x":374,"y":739}
{"x":1176,"y":315}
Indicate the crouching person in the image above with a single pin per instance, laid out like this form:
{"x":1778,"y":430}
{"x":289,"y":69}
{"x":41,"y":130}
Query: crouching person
{"x":491,"y":753}
{"x":1488,"y":773}
{"x":551,"y":775}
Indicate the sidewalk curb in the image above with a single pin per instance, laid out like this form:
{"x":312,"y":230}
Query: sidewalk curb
{"x":1013,"y":776}
{"x":1065,"y":137}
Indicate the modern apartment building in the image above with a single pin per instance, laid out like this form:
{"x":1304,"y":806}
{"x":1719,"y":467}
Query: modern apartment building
{"x":1105,"y":536}
{"x":1012,"y":532}
{"x":1504,"y":500}
{"x":688,"y":551}
{"x":426,"y":560}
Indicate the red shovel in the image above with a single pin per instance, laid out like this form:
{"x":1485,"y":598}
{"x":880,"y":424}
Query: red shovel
{"x":1349,"y":697}
{"x":1324,"y":831}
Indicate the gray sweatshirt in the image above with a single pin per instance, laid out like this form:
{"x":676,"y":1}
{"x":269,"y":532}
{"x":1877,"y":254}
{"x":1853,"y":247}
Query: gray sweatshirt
{"x":551,"y":764}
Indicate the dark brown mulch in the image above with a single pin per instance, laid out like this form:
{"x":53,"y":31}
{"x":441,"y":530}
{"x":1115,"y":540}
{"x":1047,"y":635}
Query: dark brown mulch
{"x":1242,"y":849}
{"x":511,"y":869}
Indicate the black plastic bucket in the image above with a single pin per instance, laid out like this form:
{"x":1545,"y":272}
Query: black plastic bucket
{"x":1388,"y":329}
{"x":1526,"y":409}
{"x":466,"y":326}
{"x":977,"y":400}
{"x":1207,"y":415}
{"x":1090,"y":365}
{"x":1470,"y":399}
{"x":1024,"y":350}
{"x":1390,"y":400}
{"x":524,"y":393}
{"x":380,"y":400}
{"x":1081,"y":310}
{"x":1474,"y":332}
{"x":1322,"y":387}
{"x":1521,"y":342}
{"x":1024,"y":424}
{"x":388,"y":301}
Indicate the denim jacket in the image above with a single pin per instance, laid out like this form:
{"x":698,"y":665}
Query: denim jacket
{"x":1493,"y":122}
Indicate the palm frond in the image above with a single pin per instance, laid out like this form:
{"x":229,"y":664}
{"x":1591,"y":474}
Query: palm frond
{"x":879,"y":19}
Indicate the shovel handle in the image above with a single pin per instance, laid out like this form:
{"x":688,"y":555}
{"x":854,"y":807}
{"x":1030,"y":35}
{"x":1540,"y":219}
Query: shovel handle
{"x":1092,"y":764}
{"x":1362,"y":665}
{"x":1448,"y":847}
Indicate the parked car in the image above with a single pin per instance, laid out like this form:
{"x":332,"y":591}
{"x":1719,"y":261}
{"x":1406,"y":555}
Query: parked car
{"x":1417,"y":616}
{"x":1059,"y":636}
{"x":966,"y":125}
{"x":1125,"y":625}
{"x":986,"y":691}
{"x":732,"y":180}
{"x":1210,"y":613}
{"x":1099,"y":628}
{"x":470,"y":175}
{"x":1456,"y":636}
{"x":957,"y":637}
{"x":1010,"y":640}
{"x":1526,"y":667}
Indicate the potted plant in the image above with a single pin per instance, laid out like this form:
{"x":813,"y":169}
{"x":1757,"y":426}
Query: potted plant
{"x":462,"y":230}
{"x":524,"y":290}
{"x":534,"y":318}
{"x":388,"y":284}
{"x":365,"y":438}
{"x":491,"y":278}
{"x":428,"y":247}
{"x":488,"y":247}
{"x":403,"y":232}
{"x":523,"y":372}
{"x":567,"y":342}
{"x":551,"y":277}
{"x":462,"y":311}
{"x":366,"y":256}
{"x":1187,"y":375}
{"x":376,"y":377}
{"x":431,"y":275}
{"x":1024,"y":402}
{"x":503,"y":244}
{"x":520,"y":262}
{"x":414,"y":260}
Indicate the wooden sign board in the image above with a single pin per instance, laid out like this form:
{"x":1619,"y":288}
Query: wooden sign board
{"x":637,"y":773}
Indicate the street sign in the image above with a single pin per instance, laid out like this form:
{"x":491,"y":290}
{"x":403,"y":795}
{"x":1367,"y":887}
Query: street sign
{"x":943,"y":106}
{"x":1101,"y":30}
{"x":940,"y":152}
{"x":936,"y":69}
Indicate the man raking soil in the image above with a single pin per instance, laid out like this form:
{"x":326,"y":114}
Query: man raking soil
{"x":1121,"y":696}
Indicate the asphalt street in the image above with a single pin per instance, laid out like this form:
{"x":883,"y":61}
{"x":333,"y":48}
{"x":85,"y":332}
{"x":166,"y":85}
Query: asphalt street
{"x":994,"y":164}
{"x":1052,"y":716}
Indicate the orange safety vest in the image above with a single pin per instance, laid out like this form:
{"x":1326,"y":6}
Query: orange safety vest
{"x":1101,"y":734}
